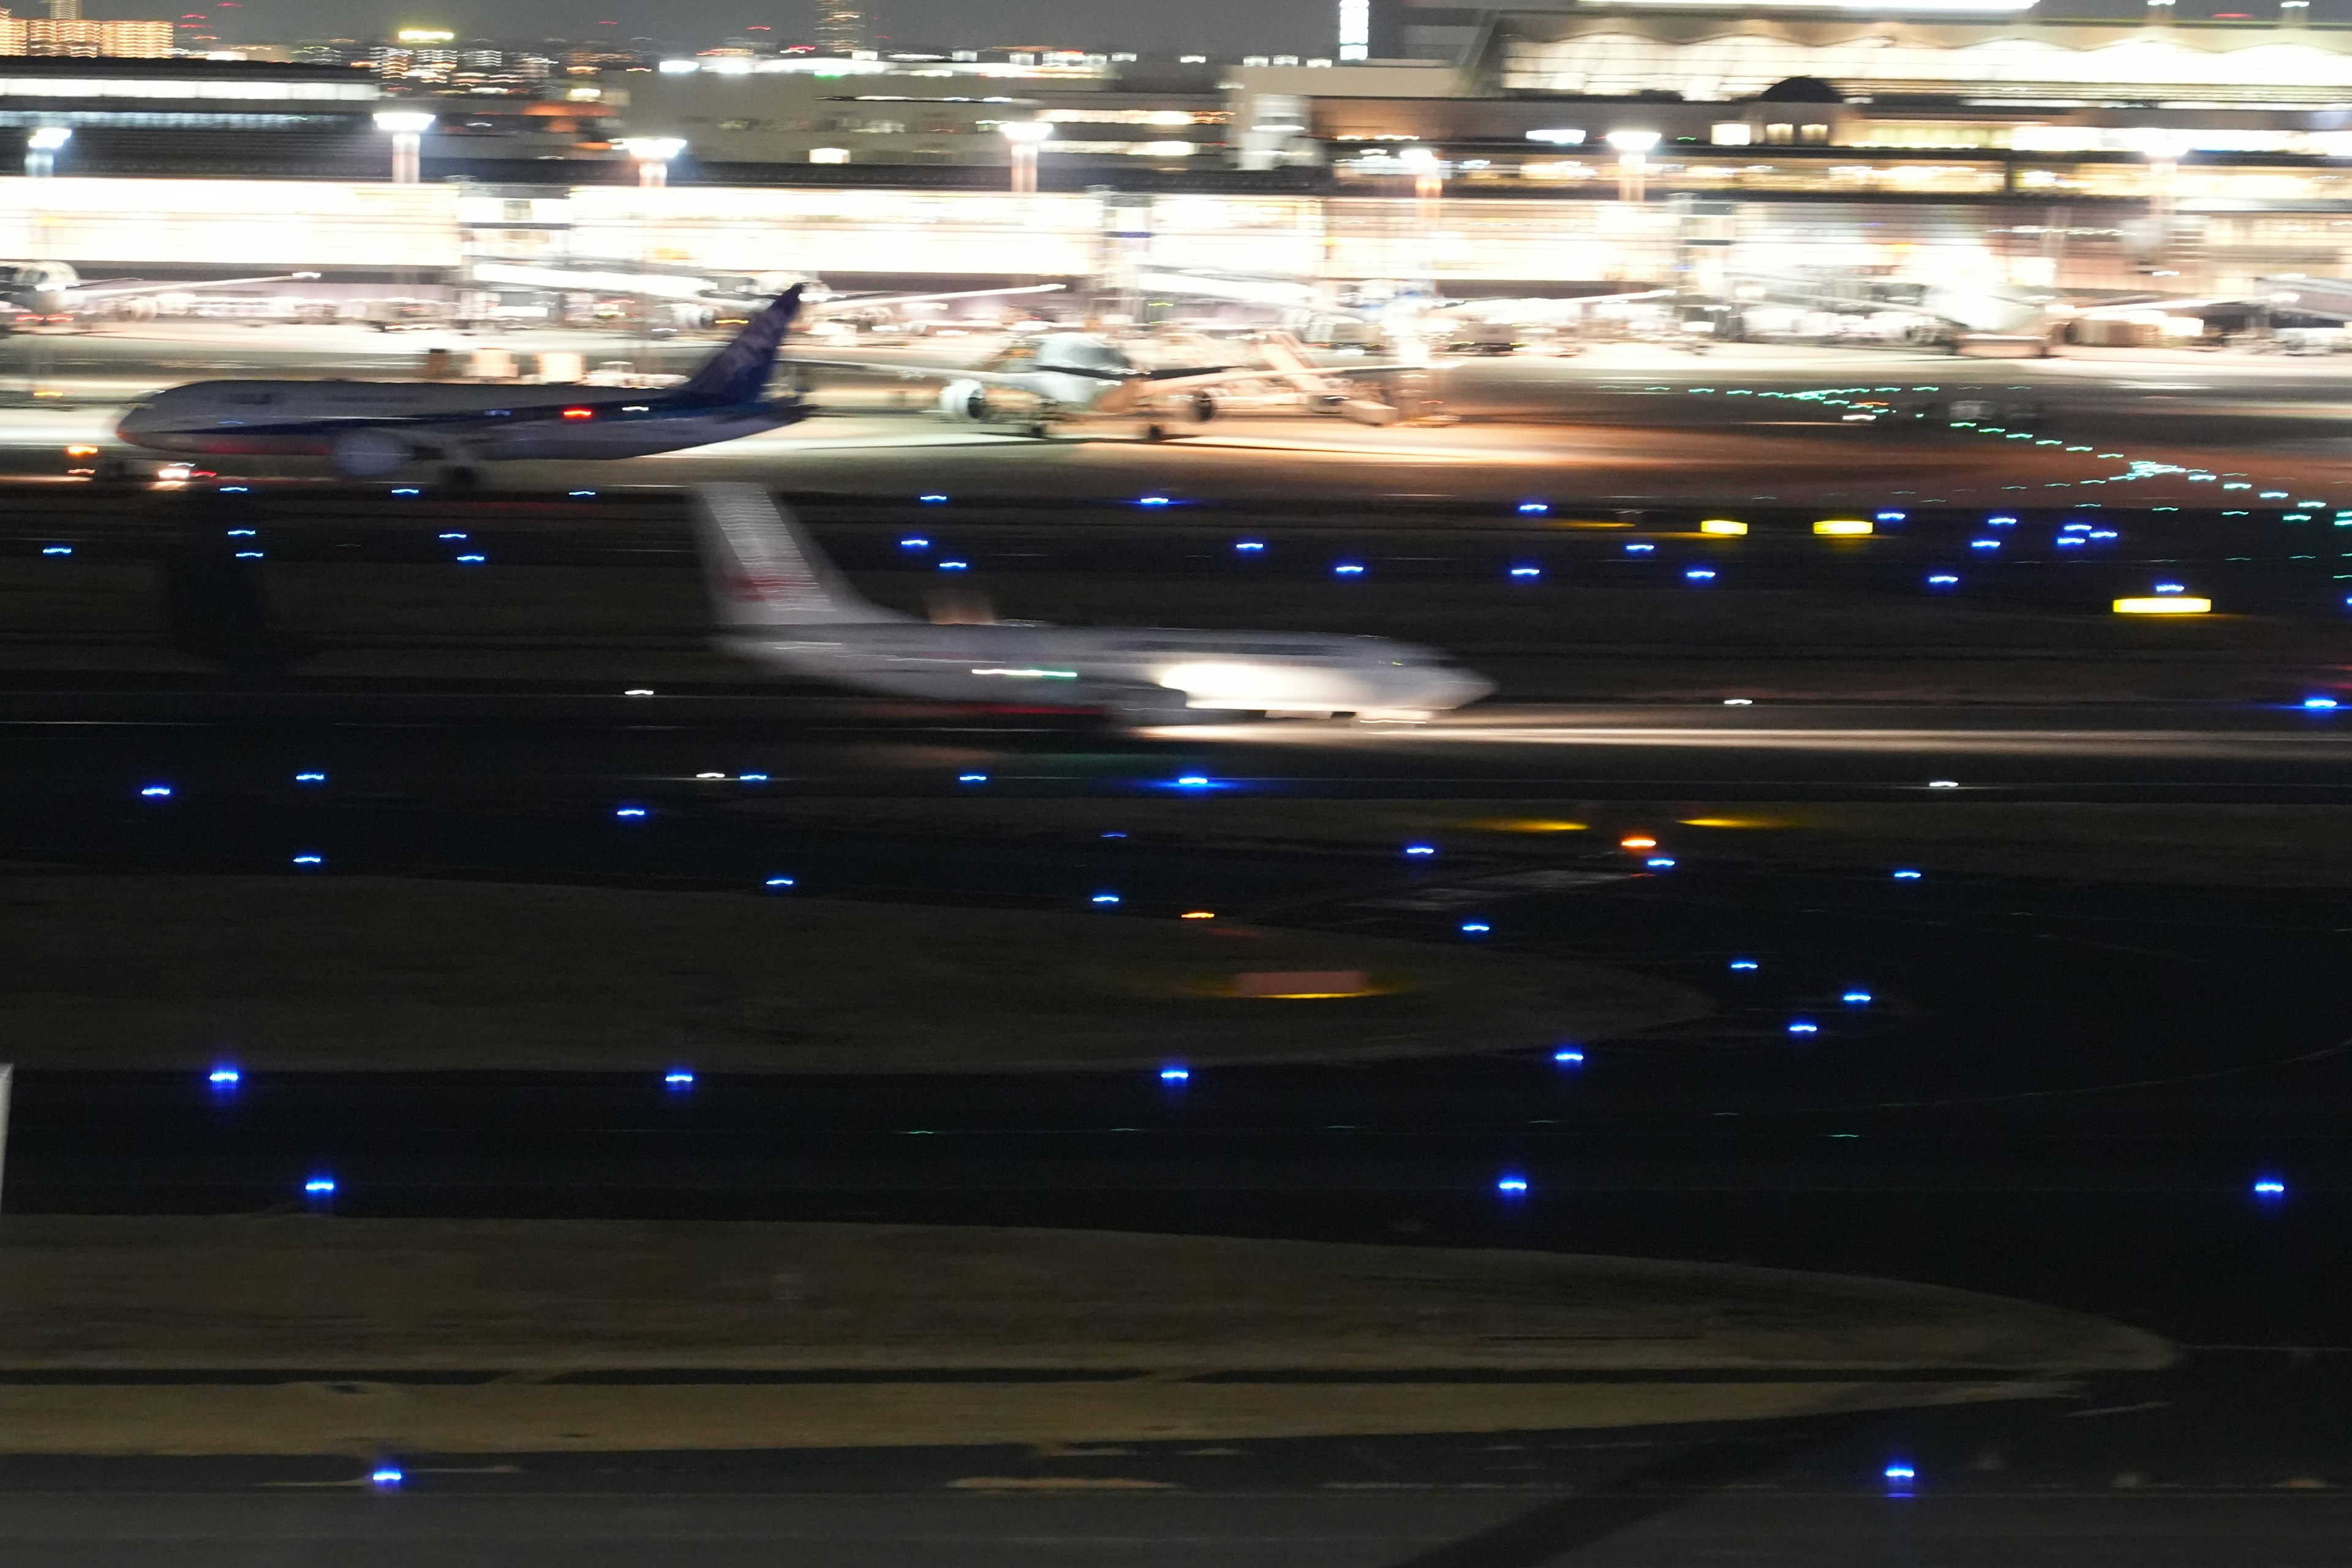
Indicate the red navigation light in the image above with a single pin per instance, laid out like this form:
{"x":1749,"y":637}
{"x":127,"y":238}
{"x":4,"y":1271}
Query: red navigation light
{"x":580,"y":413}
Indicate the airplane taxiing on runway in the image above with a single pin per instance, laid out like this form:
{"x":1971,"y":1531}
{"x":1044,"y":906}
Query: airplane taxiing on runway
{"x":372,"y":427}
{"x":779,"y":602}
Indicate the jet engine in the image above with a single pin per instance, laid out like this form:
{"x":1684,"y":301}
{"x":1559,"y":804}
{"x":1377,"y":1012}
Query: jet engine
{"x":966,"y":400}
{"x":370,"y":454}
{"x":1202,"y":405}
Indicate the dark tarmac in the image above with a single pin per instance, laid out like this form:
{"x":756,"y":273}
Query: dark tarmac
{"x":2062,"y":1087}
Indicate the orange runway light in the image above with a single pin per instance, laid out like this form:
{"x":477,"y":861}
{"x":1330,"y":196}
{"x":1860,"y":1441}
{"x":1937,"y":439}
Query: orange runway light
{"x":81,"y":451}
{"x":580,"y":413}
{"x":1637,"y":841}
{"x":1197,"y":915}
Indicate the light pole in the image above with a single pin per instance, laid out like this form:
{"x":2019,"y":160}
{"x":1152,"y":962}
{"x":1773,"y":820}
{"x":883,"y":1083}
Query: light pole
{"x":653,"y":155}
{"x":2164,"y":151}
{"x":1632,"y":160}
{"x":41,"y":149}
{"x":406,"y":128}
{"x":1024,"y":137}
{"x":1428,"y":181}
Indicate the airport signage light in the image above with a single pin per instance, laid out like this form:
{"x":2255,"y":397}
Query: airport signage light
{"x":403,"y":122}
{"x":49,"y":138}
{"x":1632,"y":141}
{"x":1031,"y":130}
{"x":1559,"y":137}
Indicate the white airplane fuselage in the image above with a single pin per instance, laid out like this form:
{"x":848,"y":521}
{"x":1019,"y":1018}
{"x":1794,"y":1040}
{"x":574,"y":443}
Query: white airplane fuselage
{"x":310,"y":418}
{"x":1075,"y":666}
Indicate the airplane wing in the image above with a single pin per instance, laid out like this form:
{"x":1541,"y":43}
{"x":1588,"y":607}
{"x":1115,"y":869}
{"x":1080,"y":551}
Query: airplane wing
{"x":112,"y":287}
{"x":861,"y":301}
{"x":912,"y":371}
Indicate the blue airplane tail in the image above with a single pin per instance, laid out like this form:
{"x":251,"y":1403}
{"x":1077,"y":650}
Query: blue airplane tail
{"x":738,"y":373}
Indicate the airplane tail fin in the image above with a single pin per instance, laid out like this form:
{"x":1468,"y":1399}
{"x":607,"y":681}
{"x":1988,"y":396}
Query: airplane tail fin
{"x":764,"y":570}
{"x":739,"y":372}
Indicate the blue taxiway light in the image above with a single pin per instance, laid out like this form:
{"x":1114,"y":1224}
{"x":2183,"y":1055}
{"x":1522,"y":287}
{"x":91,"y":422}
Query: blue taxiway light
{"x":453,"y":536}
{"x":1743,"y":964}
{"x":972,"y":778}
{"x":1569,"y":1055}
{"x":2000,"y":522}
{"x":1856,"y":998}
{"x":157,"y":791}
{"x":1908,"y":875}
{"x":1804,"y":1026}
{"x":386,"y":1476}
{"x":320,"y":1187}
{"x":577,"y":494}
{"x":1475,"y":928}
{"x":629,"y":812}
{"x":955,"y":566}
{"x":1890,"y":517}
{"x":1175,"y":1075}
{"x":241,"y":534}
{"x":1511,"y":1186}
{"x":1105,"y":898}
{"x":1250,"y":545}
{"x":931,"y":500}
{"x":56,"y":550}
{"x":1942,"y":580}
{"x":1348,"y":569}
{"x":310,"y":778}
{"x":1899,"y":1471}
{"x":233,"y":490}
{"x":407,"y":490}
{"x":678,"y":1078}
{"x":1660,"y":862}
{"x":1984,"y":544}
{"x":471,"y":560}
{"x":914,"y":542}
{"x":1151,"y":501}
{"x":250,"y":555}
{"x":2319,"y":704}
{"x":225,"y":1078}
{"x":1527,"y":571}
{"x":1114,"y":835}
{"x":2270,"y":1187}
{"x":1534,"y":506}
{"x":2172,"y":587}
{"x":1193,"y":781}
{"x":1699,"y":575}
{"x":1421,"y":848}
{"x":1639,"y":548}
{"x":2070,"y":539}
{"x":780,"y":883}
{"x":310,"y":859}
{"x":750,"y":778}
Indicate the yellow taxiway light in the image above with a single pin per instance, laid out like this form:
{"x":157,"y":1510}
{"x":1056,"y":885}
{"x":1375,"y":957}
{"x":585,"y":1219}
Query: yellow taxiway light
{"x":1197,"y":915}
{"x":2164,"y":604}
{"x":1843,"y":527}
{"x":1723,"y":525}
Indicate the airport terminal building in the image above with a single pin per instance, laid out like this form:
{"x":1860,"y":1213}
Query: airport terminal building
{"x":1546,"y":145}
